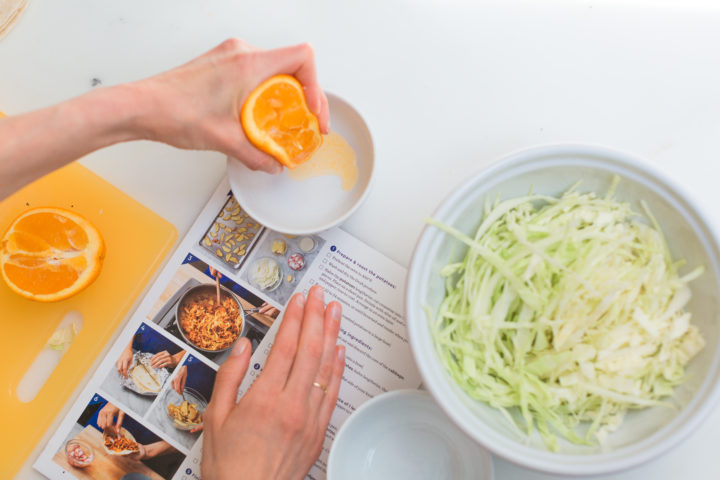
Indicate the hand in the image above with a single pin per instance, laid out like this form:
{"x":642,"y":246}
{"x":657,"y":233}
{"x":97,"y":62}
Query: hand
{"x":123,"y":363}
{"x":141,"y":454}
{"x":277,"y":428}
{"x":269,"y":310}
{"x":164,"y":359}
{"x":106,"y":418}
{"x":197,"y":105}
{"x":178,"y":382}
{"x":215,"y":273}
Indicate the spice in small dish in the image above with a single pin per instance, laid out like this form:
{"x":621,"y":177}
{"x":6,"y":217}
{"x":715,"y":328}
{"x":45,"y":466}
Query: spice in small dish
{"x":306,"y":244}
{"x":296,"y":261}
{"x":279,"y":246}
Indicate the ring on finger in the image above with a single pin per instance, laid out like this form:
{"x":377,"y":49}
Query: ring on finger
{"x":321,"y":387}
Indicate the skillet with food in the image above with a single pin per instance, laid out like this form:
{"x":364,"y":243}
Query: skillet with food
{"x":208,"y":326}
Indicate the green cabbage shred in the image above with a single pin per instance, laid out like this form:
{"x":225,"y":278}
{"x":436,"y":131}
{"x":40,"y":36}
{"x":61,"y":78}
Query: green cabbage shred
{"x":566,"y":310}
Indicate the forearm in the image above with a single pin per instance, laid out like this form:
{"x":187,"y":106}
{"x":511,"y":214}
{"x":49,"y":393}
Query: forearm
{"x":36,"y":143}
{"x":157,"y":449}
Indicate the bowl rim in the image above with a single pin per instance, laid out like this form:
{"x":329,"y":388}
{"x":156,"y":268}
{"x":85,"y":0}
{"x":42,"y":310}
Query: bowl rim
{"x":340,"y":219}
{"x":434,"y":376}
{"x":82,"y":443}
{"x":355,"y":417}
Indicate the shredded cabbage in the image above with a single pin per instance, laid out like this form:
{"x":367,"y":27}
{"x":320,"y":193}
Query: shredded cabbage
{"x":566,"y":310}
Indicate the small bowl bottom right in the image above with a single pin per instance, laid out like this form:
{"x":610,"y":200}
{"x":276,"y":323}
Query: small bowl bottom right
{"x":401,"y":435}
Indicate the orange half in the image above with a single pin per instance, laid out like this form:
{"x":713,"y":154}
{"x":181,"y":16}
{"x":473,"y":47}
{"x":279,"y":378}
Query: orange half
{"x":277,"y":120}
{"x":49,"y":254}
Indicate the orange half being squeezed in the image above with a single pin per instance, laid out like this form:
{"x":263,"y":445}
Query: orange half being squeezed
{"x":276,"y":119}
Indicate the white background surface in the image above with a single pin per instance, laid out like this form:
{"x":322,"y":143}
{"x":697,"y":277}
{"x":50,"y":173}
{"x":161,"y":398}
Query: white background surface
{"x":445,"y":86}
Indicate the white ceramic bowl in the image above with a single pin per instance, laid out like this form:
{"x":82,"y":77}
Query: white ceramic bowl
{"x":315,"y":204}
{"x":551,"y":170}
{"x":403,"y":435}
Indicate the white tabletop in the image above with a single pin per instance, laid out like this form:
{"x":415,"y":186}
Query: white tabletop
{"x":445,"y":86}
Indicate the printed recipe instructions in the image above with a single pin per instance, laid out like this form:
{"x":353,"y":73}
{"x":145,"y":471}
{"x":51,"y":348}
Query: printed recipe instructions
{"x":159,"y":375}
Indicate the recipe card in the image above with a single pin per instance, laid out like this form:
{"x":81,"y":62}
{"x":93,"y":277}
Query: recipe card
{"x":160,"y":373}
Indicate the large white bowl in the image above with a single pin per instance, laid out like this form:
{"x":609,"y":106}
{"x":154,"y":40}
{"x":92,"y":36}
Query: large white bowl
{"x":551,"y":170}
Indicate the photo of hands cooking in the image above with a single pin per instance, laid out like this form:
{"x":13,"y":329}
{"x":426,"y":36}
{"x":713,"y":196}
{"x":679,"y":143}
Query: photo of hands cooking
{"x":179,"y":409}
{"x":209,"y":312}
{"x":142,"y":369}
{"x":107,"y":443}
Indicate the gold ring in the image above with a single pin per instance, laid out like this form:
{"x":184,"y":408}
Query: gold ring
{"x":321,"y":387}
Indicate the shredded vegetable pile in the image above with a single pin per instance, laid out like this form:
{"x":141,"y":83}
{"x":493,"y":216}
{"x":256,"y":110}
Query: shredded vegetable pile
{"x":566,"y":310}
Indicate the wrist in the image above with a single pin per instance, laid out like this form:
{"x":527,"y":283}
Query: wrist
{"x":111,"y":114}
{"x":147,"y":109}
{"x":148,"y":451}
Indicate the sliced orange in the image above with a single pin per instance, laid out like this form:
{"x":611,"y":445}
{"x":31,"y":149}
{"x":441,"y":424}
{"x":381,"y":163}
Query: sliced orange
{"x":277,"y":120}
{"x":49,"y":254}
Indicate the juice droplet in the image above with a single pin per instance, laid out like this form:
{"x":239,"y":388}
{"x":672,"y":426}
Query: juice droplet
{"x":334,"y":157}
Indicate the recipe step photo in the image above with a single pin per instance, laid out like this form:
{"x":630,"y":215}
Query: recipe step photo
{"x":278,"y":263}
{"x":105,"y":442}
{"x":180,"y":409}
{"x":188,"y":309}
{"x":232,"y":234}
{"x":142,"y":369}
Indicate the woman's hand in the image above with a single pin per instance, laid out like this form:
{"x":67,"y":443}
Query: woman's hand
{"x":214,"y":273}
{"x":141,"y":454}
{"x":197,"y":105}
{"x":178,"y":383}
{"x":123,"y":363}
{"x":269,"y":310}
{"x":164,"y":359}
{"x":106,"y":418}
{"x":277,"y":428}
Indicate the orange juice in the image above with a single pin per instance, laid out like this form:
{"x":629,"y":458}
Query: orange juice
{"x":334,"y":157}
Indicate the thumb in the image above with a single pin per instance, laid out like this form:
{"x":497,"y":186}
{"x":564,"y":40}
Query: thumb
{"x":227,"y":381}
{"x":121,"y":417}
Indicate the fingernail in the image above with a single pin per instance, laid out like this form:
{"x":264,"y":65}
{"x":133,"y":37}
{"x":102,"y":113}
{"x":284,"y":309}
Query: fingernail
{"x":335,"y":311}
{"x":341,"y":354}
{"x":300,"y":300}
{"x":317,"y":292}
{"x":239,"y":348}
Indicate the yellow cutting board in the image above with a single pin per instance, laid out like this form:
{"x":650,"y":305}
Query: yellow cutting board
{"x":137,"y":241}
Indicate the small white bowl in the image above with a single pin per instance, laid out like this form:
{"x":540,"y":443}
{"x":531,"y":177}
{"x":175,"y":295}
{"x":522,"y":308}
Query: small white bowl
{"x":312,"y":205}
{"x":403,"y":435}
{"x":645,"y":433}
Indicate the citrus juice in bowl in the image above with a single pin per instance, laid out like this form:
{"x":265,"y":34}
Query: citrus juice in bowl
{"x":320,"y":193}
